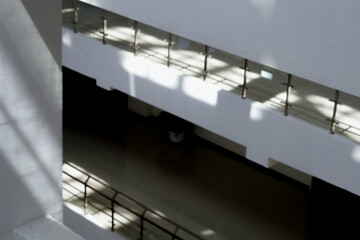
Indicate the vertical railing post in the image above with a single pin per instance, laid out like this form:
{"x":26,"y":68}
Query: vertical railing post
{"x":135,"y":37}
{"x":104,"y":31}
{"x":170,"y":43}
{"x":333,"y":119}
{"x":244,"y":87}
{"x":174,"y":233}
{"x":113,"y":212}
{"x":206,"y":55}
{"x":288,"y":91}
{"x":86,"y":195}
{"x":76,"y":15}
{"x":142,"y":225}
{"x":142,"y":228}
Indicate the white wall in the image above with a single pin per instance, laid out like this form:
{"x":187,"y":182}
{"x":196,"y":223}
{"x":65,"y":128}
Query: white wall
{"x":316,"y":40}
{"x":86,"y":228}
{"x":265,"y":133}
{"x":30,"y":118}
{"x":46,"y":228}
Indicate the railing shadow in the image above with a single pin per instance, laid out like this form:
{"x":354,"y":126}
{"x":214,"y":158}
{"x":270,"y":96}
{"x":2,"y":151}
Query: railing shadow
{"x":212,"y":74}
{"x":122,"y":211}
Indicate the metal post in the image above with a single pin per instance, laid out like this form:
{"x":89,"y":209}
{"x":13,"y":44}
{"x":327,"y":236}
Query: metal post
{"x":76,"y":16}
{"x":206,"y":55}
{"x":142,"y":225}
{"x":86,"y":196}
{"x":113,"y":212}
{"x":244,"y":88}
{"x":135,"y":36}
{"x":170,"y":43}
{"x":104,"y":31}
{"x":288,"y":90}
{"x":174,"y":233}
{"x":333,"y":119}
{"x":142,"y":228}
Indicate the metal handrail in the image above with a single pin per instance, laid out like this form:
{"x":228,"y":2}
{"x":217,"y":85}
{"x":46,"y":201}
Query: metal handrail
{"x":113,"y":201}
{"x":214,"y":77}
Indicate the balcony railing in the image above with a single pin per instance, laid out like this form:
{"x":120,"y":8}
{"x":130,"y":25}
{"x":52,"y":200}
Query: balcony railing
{"x":118,"y":211}
{"x":336,"y":111}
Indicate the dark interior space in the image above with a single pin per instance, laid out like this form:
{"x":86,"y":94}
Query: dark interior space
{"x":91,"y":108}
{"x":333,"y":213}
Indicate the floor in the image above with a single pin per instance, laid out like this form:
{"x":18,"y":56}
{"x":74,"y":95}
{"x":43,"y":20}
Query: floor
{"x":211,"y":191}
{"x":202,"y":187}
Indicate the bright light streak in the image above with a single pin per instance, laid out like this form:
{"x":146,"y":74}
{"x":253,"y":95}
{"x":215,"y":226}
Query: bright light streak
{"x":67,"y":10}
{"x":207,"y":232}
{"x":157,"y":214}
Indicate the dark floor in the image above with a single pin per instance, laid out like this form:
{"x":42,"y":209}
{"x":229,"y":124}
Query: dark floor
{"x":197,"y":184}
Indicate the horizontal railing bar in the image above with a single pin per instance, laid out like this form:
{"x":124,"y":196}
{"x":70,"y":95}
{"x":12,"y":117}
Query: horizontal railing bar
{"x":106,"y":185}
{"x":126,"y":197}
{"x":226,"y":54}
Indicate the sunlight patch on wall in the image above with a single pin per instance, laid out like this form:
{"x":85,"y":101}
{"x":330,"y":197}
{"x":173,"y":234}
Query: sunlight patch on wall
{"x":137,"y":67}
{"x":162,"y":76}
{"x":96,"y":220}
{"x":322,"y":104}
{"x":356,"y":154}
{"x":200,"y":91}
{"x":256,"y":112}
{"x":66,"y":39}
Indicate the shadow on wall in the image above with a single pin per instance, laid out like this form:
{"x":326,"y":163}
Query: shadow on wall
{"x":35,"y":74}
{"x":18,"y":203}
{"x":30,"y":121}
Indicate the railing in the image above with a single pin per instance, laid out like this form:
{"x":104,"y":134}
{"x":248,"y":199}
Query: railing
{"x":336,"y":118}
{"x":114,"y":197}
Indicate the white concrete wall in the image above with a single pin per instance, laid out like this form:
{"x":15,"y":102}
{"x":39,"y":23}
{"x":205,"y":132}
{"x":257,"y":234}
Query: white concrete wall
{"x":265,"y":133}
{"x":30,"y":117}
{"x":46,"y":228}
{"x":316,"y":40}
{"x":86,"y":228}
